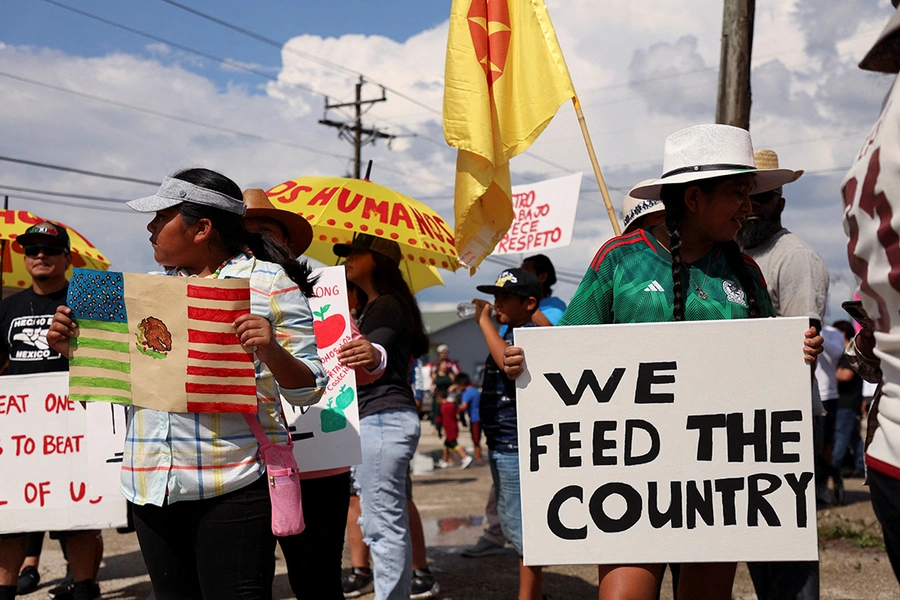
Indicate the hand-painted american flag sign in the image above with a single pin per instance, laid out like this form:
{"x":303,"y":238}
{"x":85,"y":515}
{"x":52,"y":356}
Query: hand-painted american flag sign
{"x":160,"y":342}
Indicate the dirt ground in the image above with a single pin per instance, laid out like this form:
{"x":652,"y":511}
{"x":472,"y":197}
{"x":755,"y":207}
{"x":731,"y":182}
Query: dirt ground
{"x":451,"y":502}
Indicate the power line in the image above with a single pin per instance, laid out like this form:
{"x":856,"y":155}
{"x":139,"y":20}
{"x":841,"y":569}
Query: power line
{"x":62,"y":194}
{"x":32,"y":163}
{"x":155,"y":38}
{"x":334,"y":66}
{"x":172,"y":117}
{"x":71,"y":204}
{"x":197,"y":123}
{"x":311,"y":57}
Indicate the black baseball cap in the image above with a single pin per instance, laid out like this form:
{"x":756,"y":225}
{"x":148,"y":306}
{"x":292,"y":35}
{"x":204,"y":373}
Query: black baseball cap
{"x":515,"y":281}
{"x":370,"y":243}
{"x":45,"y":233}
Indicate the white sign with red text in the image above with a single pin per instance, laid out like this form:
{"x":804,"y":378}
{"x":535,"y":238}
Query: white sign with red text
{"x":59,"y":462}
{"x":326,"y":435}
{"x":544,"y":215}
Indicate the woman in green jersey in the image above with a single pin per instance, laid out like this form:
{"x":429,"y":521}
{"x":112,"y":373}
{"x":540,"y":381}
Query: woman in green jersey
{"x":686,"y":269}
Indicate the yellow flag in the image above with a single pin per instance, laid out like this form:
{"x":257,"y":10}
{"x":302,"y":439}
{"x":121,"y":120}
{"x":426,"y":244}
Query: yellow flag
{"x":505,"y":78}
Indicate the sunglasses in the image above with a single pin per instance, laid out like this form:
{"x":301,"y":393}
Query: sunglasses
{"x":36,"y":249}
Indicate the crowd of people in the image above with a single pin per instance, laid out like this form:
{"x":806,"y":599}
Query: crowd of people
{"x":707,"y":236}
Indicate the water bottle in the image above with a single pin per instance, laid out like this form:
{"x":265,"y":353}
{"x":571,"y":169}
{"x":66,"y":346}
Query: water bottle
{"x":465,"y":310}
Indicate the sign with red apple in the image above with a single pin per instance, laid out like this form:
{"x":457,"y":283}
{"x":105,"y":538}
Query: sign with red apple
{"x":326,"y":434}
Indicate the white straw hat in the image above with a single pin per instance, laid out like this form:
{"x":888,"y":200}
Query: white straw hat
{"x":707,"y":151}
{"x":635,"y":208}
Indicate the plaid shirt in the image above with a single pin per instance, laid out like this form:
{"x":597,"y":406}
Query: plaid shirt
{"x":191,"y":456}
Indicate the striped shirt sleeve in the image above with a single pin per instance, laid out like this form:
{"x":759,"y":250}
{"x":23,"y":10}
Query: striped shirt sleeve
{"x":592,"y":302}
{"x":289,"y":312}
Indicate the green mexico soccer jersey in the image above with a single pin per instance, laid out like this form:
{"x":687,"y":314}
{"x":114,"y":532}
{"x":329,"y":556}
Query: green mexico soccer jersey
{"x":630,"y":281}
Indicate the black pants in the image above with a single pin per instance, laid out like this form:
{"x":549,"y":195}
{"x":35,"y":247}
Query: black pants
{"x":885,"y":493}
{"x":785,"y":580}
{"x":220,"y":548}
{"x":313,"y":558}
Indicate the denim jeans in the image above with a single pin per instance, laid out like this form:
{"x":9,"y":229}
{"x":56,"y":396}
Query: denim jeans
{"x":846,"y":437}
{"x":505,"y":471}
{"x":389,"y":441}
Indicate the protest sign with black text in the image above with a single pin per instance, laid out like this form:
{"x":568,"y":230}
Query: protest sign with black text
{"x":666,"y":442}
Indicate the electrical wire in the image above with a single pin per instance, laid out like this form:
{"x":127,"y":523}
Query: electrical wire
{"x":334,"y":66}
{"x":224,"y":61}
{"x":172,"y":117}
{"x":42,"y":165}
{"x":64,"y":195}
{"x":70,"y":204}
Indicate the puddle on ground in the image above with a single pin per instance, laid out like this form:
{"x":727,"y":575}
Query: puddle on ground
{"x":453,"y":531}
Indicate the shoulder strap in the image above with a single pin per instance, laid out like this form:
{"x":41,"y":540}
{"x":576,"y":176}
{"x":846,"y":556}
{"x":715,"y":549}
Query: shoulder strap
{"x":256,"y":428}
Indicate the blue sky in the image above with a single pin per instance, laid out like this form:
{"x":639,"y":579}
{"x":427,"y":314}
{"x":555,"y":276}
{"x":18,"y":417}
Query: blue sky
{"x":40,"y":23}
{"x":643,"y":70}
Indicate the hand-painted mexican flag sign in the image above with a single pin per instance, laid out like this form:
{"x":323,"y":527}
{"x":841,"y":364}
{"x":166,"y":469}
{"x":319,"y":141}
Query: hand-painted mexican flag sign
{"x":326,"y":435}
{"x":666,"y":443}
{"x":59,"y":462}
{"x":165,"y":343}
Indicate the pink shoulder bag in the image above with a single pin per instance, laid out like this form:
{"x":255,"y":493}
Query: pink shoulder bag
{"x":284,"y":481}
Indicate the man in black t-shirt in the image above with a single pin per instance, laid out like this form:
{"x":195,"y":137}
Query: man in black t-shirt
{"x":24,"y":321}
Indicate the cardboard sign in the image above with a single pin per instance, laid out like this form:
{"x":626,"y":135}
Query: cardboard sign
{"x":326,"y":435}
{"x":544,"y":215}
{"x":165,"y":343}
{"x":666,"y":442}
{"x":59,"y":462}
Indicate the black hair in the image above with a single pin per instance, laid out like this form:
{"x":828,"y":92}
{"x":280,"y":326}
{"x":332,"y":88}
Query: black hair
{"x":543,"y":266}
{"x":361,"y":297}
{"x":232,"y":235}
{"x":462,"y":379}
{"x":672,"y":196}
{"x":441,"y":392}
{"x":387,"y":279}
{"x":845,"y":327}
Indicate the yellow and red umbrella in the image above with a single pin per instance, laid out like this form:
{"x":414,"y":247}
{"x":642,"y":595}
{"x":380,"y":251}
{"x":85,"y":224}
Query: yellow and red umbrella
{"x":338,"y":207}
{"x":15,"y":222}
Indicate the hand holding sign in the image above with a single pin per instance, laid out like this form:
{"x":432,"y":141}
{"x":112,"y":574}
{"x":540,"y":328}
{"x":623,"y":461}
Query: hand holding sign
{"x":359,"y":353}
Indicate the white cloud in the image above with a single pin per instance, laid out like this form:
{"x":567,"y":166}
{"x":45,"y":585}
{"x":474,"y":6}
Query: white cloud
{"x":811,"y":104}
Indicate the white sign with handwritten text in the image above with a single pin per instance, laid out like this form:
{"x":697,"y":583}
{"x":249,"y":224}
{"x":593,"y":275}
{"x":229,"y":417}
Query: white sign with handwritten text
{"x":59,"y":462}
{"x":326,"y":435}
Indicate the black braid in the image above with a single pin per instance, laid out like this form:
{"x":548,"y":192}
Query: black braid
{"x":674,"y":229}
{"x":744,"y":275}
{"x":673,"y":199}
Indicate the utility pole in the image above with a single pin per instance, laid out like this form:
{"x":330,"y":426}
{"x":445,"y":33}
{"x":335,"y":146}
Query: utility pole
{"x":733,"y":99}
{"x":353,"y":131}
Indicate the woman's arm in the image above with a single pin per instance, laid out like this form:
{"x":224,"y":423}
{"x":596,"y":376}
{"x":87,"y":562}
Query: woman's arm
{"x":368,"y":360}
{"x":281,"y":330}
{"x":257,"y":334}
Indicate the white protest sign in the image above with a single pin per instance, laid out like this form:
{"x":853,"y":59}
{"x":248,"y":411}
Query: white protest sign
{"x":666,"y":443}
{"x":544,"y":215}
{"x":59,"y":462}
{"x":326,"y":435}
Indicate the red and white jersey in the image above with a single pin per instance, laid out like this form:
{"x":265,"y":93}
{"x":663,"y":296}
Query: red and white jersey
{"x":871,"y":192}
